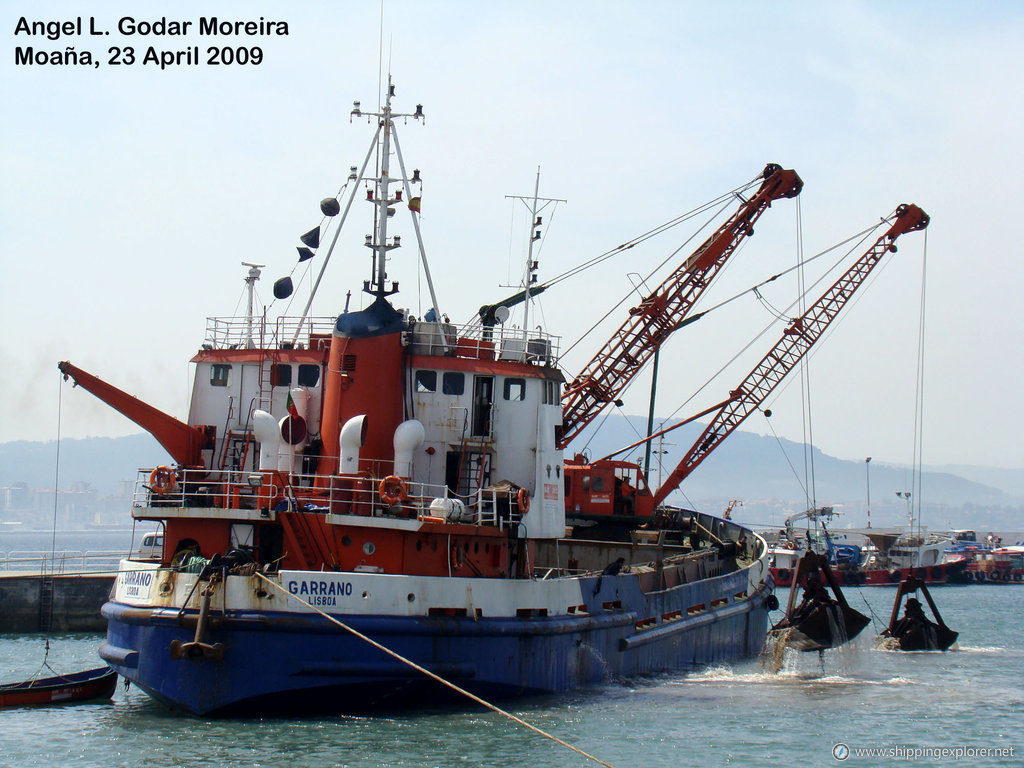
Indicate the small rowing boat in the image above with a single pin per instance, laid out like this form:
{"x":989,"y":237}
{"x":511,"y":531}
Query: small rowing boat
{"x":96,"y":683}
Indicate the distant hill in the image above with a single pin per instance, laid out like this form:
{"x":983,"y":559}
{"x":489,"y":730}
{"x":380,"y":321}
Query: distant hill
{"x":1010,"y":481}
{"x":747,"y":467}
{"x":755,"y":470}
{"x":100,"y":461}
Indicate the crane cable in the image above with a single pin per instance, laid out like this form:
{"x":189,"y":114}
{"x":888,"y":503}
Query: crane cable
{"x":856,"y":239}
{"x":716,"y":203}
{"x":432,"y":675}
{"x":682,"y":218}
{"x":805,"y":376}
{"x":859,"y":237}
{"x":919,"y":391}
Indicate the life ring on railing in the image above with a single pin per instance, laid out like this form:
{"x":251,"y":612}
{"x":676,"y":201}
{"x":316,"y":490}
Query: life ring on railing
{"x":392,"y":490}
{"x":523,"y":499}
{"x":162,"y":481}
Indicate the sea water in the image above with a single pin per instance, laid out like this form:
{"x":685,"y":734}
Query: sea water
{"x":907,"y":707}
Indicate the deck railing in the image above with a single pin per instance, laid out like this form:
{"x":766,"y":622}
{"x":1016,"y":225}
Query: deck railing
{"x":263,"y":492}
{"x":473,"y":340}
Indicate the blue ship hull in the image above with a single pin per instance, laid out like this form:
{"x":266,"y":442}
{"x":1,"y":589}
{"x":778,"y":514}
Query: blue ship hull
{"x":286,"y":662}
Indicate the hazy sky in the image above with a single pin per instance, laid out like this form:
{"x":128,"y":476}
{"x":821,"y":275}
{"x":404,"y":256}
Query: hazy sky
{"x":130,"y":195}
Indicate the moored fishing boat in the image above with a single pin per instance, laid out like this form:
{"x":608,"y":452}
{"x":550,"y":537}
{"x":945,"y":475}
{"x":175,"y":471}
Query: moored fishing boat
{"x":889,"y":556}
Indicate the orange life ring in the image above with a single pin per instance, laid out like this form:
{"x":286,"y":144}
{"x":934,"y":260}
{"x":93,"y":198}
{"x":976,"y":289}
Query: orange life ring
{"x":162,"y":481}
{"x":392,"y":490}
{"x":523,"y":499}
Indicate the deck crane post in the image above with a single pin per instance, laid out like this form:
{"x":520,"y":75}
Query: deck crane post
{"x":796,"y":340}
{"x":182,"y":441}
{"x":662,"y":312}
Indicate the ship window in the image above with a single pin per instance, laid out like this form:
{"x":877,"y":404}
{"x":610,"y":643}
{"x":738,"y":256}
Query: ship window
{"x":550,"y":392}
{"x":483,"y":398}
{"x":280,"y":375}
{"x":426,"y":381}
{"x":219,"y":375}
{"x":453,"y":383}
{"x":309,"y":375}
{"x":515,"y":389}
{"x":597,"y":484}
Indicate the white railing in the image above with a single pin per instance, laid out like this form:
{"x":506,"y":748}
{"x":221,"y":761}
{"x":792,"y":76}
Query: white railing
{"x":237,"y":332}
{"x":425,"y":338}
{"x":70,"y":562}
{"x":483,"y":342}
{"x":335,"y":494}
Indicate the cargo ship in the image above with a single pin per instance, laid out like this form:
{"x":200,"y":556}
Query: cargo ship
{"x":374,"y":509}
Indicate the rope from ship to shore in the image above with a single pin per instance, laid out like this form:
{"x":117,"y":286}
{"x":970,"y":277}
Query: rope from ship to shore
{"x":433,"y":676}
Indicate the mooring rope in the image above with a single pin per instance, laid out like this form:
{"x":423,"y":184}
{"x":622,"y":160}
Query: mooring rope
{"x":433,"y":676}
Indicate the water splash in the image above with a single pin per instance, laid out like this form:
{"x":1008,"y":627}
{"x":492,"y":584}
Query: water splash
{"x":773,"y":652}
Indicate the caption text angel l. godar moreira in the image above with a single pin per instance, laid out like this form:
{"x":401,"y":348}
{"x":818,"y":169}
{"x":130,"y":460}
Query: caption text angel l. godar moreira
{"x":133,"y":36}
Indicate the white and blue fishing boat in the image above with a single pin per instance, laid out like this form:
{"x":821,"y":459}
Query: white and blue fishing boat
{"x":366,"y":508}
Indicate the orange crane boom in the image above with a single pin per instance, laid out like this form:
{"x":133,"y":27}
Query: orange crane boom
{"x":796,"y":340}
{"x":662,"y":312}
{"x":183,"y":442}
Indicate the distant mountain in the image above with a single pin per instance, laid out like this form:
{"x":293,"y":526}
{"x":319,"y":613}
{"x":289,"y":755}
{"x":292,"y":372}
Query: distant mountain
{"x":1010,"y":481}
{"x":767,"y":475}
{"x":101,"y":462}
{"x":763,"y":473}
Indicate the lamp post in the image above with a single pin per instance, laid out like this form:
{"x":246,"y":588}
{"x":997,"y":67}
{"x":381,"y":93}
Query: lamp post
{"x":867,"y":472}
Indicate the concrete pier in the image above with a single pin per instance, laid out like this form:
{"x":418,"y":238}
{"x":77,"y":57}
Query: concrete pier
{"x":30,"y":602}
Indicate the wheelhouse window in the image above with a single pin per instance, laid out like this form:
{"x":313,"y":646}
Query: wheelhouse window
{"x":426,"y":381}
{"x":453,"y":383}
{"x":309,"y":375}
{"x":280,"y":375}
{"x":219,"y":375}
{"x":549,"y":393}
{"x":515,"y":389}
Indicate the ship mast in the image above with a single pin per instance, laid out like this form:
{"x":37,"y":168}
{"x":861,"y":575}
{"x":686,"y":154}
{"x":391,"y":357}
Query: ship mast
{"x":383,"y":199}
{"x":250,"y":286}
{"x":535,"y":205}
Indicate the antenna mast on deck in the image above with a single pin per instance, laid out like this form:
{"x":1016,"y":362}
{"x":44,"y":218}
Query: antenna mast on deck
{"x":536,"y":204}
{"x":383,"y":199}
{"x":250,"y":286}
